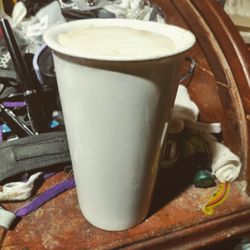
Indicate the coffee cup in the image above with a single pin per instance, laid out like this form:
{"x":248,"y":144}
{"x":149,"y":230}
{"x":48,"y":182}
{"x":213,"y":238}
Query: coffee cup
{"x":116,"y":109}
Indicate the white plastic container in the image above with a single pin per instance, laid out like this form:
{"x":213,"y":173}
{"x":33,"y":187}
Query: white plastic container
{"x":116,"y":113}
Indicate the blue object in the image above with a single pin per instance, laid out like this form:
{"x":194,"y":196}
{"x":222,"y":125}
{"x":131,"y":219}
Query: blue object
{"x":54,"y":124}
{"x":5,"y":128}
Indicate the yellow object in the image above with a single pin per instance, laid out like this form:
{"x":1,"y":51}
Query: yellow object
{"x":217,"y":198}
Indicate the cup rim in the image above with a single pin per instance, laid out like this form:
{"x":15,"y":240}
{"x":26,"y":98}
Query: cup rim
{"x":183,"y":38}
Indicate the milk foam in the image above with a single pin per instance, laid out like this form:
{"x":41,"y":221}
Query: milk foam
{"x":116,"y":41}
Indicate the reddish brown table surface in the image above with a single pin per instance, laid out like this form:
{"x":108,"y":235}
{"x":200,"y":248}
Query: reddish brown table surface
{"x":176,"y":220}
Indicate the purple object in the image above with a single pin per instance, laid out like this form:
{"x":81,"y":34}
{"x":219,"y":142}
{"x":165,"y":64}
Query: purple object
{"x":1,"y":134}
{"x":45,"y":196}
{"x":14,"y":104}
{"x":47,"y":175}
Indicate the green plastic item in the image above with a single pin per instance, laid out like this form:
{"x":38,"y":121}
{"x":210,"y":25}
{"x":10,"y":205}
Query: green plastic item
{"x":204,"y":179}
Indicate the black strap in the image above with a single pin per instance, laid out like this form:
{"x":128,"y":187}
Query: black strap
{"x":33,"y":153}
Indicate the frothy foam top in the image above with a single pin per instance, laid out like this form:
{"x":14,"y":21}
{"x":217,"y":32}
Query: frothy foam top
{"x":122,"y":42}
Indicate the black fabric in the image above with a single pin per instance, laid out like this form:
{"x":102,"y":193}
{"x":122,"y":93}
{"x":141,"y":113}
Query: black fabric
{"x":33,"y":153}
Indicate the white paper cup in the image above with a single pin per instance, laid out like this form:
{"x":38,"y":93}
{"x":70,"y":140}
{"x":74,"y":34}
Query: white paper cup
{"x":115,"y":112}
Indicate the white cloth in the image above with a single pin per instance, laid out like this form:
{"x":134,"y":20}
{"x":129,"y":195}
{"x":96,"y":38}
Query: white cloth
{"x":225,"y":165}
{"x":16,"y":191}
{"x":133,"y":9}
{"x":29,"y":31}
{"x":6,"y":218}
{"x":184,"y":109}
{"x":18,"y":14}
{"x":186,"y":112}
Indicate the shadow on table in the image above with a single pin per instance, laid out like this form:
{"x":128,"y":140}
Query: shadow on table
{"x":170,"y":183}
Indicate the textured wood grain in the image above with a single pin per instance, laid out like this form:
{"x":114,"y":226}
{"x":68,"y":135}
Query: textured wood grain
{"x":220,"y":87}
{"x":227,"y":57}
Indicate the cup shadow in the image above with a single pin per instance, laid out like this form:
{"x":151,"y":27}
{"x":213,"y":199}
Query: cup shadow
{"x":170,"y":183}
